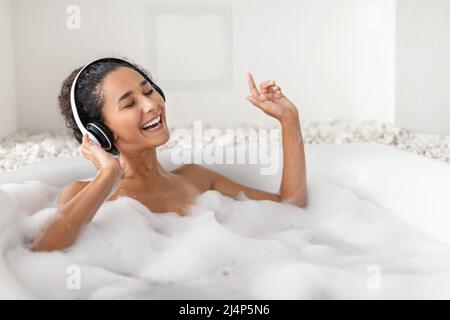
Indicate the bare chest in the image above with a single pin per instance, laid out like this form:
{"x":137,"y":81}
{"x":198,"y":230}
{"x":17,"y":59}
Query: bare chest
{"x":175,"y":197}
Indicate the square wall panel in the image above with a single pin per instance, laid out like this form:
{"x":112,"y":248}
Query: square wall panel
{"x":190,"y":46}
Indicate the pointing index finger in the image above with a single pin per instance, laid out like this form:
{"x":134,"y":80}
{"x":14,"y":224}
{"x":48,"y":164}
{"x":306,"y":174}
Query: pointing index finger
{"x":252,"y":85}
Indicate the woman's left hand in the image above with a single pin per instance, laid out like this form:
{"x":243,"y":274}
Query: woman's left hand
{"x":271,"y":100}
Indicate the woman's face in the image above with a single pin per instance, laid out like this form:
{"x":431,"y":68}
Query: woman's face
{"x":130,"y":102}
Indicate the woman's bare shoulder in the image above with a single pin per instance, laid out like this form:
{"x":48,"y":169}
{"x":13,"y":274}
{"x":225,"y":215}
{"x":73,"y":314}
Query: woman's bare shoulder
{"x":191,"y":169}
{"x":71,"y":191}
{"x":196,"y":174}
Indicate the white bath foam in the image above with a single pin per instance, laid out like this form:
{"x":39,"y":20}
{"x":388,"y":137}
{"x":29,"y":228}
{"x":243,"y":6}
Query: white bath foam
{"x":10,"y":235}
{"x":344,"y":245}
{"x":413,"y":187}
{"x":30,"y":196}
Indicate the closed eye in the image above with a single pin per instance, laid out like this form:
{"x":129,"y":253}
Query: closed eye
{"x":145,"y":94}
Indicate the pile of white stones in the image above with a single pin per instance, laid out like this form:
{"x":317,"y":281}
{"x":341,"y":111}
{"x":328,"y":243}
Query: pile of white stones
{"x":22,"y":148}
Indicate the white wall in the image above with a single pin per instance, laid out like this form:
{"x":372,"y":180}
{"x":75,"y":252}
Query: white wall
{"x":8,"y":119}
{"x":423,"y":65}
{"x":375,"y":60}
{"x":336,"y":59}
{"x":307,"y":46}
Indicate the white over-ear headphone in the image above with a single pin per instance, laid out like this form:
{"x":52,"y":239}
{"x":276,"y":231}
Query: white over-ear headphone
{"x":98,"y":132}
{"x":76,"y":116}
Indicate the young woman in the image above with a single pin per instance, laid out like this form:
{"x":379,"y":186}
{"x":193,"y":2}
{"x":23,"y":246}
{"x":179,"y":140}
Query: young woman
{"x":120,"y":95}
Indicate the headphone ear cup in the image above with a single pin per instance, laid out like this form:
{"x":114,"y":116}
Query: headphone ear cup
{"x":159,"y":90}
{"x":102,"y":133}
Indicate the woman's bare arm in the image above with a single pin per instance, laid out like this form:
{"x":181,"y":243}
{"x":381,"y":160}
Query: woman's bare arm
{"x":293,"y":182}
{"x":78,"y":205}
{"x":80,"y":201}
{"x":205,"y":179}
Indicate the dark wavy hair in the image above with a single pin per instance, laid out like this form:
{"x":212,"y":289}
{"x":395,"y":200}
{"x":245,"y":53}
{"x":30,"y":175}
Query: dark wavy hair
{"x":89,"y":96}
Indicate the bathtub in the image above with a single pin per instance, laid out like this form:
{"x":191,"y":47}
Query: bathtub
{"x":376,"y":227}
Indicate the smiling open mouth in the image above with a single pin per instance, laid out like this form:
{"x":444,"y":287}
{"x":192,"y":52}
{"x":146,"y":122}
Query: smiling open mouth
{"x":154,"y":124}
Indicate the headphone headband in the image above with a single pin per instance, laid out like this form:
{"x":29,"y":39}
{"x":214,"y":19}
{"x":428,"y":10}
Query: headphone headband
{"x":74,"y":107}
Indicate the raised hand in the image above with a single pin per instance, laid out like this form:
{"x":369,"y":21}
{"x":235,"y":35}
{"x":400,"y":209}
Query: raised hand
{"x":271,"y":100}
